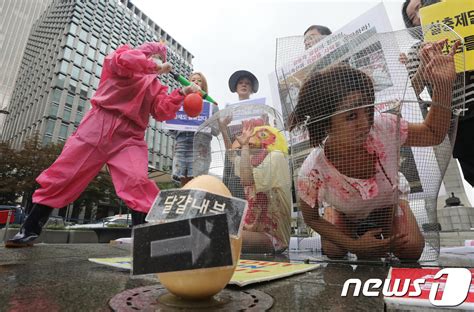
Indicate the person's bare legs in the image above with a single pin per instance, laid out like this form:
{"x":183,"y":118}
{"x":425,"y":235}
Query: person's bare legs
{"x":415,"y":242}
{"x":256,"y":242}
{"x":407,"y":241}
{"x":330,"y":249}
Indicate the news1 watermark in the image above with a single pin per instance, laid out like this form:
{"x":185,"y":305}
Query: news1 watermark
{"x":448,"y":287}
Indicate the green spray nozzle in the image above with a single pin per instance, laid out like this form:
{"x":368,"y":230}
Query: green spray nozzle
{"x":185,"y":82}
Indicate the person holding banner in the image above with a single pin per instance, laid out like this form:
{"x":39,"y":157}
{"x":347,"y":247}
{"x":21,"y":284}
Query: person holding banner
{"x":411,"y":11}
{"x":462,"y":150}
{"x":353,"y":172}
{"x":184,"y":149}
{"x":411,"y":18}
{"x":314,"y":34}
{"x":244,"y":83}
{"x":111,"y":133}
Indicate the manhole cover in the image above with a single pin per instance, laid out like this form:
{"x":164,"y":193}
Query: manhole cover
{"x":157,"y":298}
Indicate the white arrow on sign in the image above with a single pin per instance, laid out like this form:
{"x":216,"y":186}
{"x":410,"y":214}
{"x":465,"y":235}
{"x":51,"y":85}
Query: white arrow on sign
{"x":196,"y":242}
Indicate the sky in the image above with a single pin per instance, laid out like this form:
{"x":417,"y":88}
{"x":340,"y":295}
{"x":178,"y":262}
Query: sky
{"x":225,"y":36}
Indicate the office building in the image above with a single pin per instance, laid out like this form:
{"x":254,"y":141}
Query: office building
{"x":16,"y":19}
{"x":61,"y":66}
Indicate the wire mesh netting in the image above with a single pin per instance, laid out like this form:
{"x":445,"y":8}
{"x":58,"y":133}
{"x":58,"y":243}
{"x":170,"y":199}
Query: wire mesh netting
{"x":372,"y":120}
{"x":249,"y":153}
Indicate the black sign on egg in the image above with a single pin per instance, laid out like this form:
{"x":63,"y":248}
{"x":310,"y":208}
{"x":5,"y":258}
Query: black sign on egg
{"x":201,"y":242}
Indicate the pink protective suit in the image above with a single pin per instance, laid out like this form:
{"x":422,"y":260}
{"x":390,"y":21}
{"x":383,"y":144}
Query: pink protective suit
{"x":113,"y":133}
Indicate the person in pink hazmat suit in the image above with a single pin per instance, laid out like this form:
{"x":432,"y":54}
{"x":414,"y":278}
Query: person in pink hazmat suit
{"x":111,"y":133}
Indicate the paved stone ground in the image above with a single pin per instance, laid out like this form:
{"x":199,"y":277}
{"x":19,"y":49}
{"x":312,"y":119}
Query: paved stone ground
{"x":60,"y":278}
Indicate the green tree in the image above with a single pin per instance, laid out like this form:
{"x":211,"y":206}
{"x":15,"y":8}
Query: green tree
{"x":8,"y":190}
{"x":100,"y":189}
{"x":19,"y":170}
{"x":167,"y":185}
{"x":30,"y":161}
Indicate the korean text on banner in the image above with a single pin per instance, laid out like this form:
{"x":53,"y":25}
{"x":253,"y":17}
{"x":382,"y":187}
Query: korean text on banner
{"x":183,"y":122}
{"x":458,"y":15}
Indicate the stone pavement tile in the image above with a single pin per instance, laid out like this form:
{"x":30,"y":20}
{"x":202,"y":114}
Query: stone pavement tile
{"x":60,"y":278}
{"x":320,"y":290}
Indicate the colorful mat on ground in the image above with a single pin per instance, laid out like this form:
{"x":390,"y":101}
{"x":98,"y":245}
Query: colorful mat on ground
{"x":247,"y":271}
{"x":252,"y":271}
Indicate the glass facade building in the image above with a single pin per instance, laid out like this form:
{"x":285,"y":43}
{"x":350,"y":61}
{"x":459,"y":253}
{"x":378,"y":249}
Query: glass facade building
{"x":62,"y":63}
{"x":16,"y":19}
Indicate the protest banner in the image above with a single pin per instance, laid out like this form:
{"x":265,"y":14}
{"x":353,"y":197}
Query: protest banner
{"x":183,"y":122}
{"x":458,"y":15}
